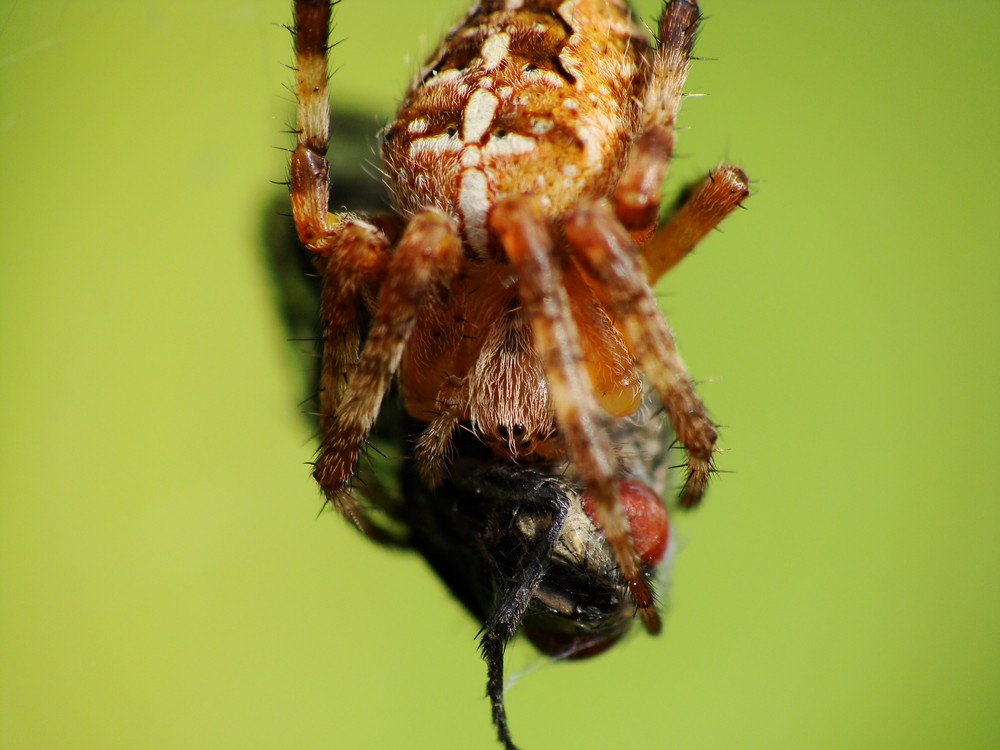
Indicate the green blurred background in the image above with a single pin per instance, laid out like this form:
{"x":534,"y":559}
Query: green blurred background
{"x":165,"y":580}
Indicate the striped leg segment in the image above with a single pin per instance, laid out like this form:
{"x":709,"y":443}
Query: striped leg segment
{"x":637,"y":198}
{"x":426,"y":258}
{"x":608,"y":254}
{"x":708,"y":203}
{"x":527,"y":239}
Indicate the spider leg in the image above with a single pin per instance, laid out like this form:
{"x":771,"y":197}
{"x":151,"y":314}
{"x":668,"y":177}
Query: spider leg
{"x":707,"y":204}
{"x":434,"y":444}
{"x":348,"y":252}
{"x":637,"y":197}
{"x":359,"y":255}
{"x":425,"y":260}
{"x":609,"y":255}
{"x":527,"y":239}
{"x":309,"y":178}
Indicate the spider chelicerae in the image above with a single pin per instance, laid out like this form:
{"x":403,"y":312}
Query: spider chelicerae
{"x":508,"y":298}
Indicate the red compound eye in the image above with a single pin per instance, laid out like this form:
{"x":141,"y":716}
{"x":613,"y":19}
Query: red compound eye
{"x":647,"y":519}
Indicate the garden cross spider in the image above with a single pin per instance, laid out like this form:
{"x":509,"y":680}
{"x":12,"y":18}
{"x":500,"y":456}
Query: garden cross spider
{"x":509,"y":293}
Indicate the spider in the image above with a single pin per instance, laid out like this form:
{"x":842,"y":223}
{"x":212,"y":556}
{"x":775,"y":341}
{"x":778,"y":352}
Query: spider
{"x":508,"y":295}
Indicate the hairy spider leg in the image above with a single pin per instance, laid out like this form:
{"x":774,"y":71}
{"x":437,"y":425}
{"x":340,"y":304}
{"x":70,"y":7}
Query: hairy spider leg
{"x":637,"y":196}
{"x":609,"y":255}
{"x":352,"y":254}
{"x":605,"y":236}
{"x":527,"y":239}
{"x":706,"y":205}
{"x":434,"y":444}
{"x":423,"y":264}
{"x":347,"y":251}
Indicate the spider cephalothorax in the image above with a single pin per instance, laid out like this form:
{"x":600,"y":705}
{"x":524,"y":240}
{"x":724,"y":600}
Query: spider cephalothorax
{"x":509,"y":293}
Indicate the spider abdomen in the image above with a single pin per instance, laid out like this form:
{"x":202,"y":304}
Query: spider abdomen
{"x":532,"y":97}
